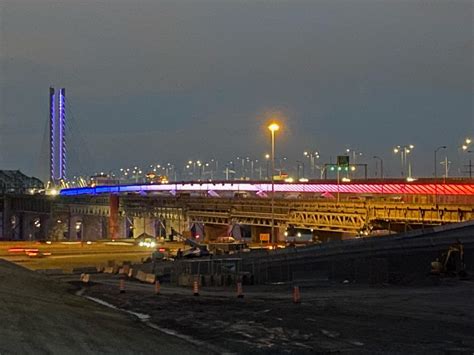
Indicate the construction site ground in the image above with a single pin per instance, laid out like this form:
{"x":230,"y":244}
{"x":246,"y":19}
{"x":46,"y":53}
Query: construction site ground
{"x":40,"y":315}
{"x":432,"y":316}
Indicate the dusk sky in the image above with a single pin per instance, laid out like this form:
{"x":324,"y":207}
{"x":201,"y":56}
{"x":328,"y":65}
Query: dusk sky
{"x":157,"y":81}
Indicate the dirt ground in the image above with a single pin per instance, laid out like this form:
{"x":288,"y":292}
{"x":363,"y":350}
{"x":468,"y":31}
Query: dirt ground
{"x":330,"y":318}
{"x":42,"y":316}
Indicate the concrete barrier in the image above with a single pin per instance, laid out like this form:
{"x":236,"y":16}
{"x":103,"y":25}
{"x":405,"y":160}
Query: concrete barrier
{"x":150,"y":278}
{"x":141,"y":276}
{"x":109,"y":270}
{"x":125,"y":269}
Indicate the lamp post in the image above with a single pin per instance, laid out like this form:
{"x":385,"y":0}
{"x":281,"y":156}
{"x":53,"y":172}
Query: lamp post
{"x":267,"y":158}
{"x":273,"y":128}
{"x":436,"y":159}
{"x":436,"y":171}
{"x":470,"y":164}
{"x":312,"y":156}
{"x":404,"y":151}
{"x":381,"y":165}
{"x":299,"y":170}
{"x":465,"y":147}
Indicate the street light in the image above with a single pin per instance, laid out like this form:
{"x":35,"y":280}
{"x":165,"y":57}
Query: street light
{"x":436,"y":171}
{"x":267,"y":158}
{"x":355,"y":154}
{"x":436,"y":159}
{"x":404,"y":151}
{"x":299,"y":165}
{"x":470,"y":164}
{"x":312,"y":156}
{"x":273,"y":127}
{"x":381,"y":165}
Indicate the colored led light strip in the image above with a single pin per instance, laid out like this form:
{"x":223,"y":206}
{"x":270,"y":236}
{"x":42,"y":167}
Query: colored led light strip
{"x":52,"y":135}
{"x":353,"y":188}
{"x":62,"y":142}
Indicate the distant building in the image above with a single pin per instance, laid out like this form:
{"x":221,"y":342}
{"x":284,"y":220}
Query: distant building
{"x":15,"y":182}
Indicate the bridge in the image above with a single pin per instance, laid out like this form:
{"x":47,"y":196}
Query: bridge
{"x":323,"y":208}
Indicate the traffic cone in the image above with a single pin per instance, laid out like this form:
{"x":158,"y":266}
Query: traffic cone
{"x":296,"y":294}
{"x":157,"y":287}
{"x":240,"y":294}
{"x":122,"y":286}
{"x":195,"y":288}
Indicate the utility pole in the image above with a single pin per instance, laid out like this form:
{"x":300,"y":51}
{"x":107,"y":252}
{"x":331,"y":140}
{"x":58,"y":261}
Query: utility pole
{"x":469,"y":166}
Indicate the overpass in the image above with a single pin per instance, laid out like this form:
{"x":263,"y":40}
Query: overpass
{"x":421,"y":187}
{"x":323,"y":207}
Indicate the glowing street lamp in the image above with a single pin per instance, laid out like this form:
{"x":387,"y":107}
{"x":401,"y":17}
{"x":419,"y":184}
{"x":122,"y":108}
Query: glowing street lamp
{"x":436,"y":171}
{"x":312,"y":156}
{"x":273,"y":127}
{"x":404,"y":151}
{"x":467,"y":142}
{"x":267,"y":158}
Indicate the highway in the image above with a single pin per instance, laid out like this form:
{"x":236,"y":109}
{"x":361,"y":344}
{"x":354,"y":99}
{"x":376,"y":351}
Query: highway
{"x":67,"y":255}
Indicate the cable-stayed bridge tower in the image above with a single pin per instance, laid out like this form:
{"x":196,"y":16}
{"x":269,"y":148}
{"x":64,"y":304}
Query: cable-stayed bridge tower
{"x":57,"y":135}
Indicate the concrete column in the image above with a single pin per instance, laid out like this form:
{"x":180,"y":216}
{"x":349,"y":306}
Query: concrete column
{"x":7,"y":232}
{"x":122,"y":230}
{"x":57,"y":227}
{"x":73,"y":232}
{"x":92,"y":228}
{"x":113,"y":216}
{"x":28,"y":228}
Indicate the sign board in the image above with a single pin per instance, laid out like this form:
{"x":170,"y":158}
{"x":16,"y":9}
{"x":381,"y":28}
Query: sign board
{"x":342,"y":160}
{"x":265,"y":237}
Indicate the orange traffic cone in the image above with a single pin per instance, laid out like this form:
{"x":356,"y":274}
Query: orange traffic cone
{"x":195,"y":288}
{"x":122,"y":286}
{"x":157,"y":287}
{"x":296,"y":294}
{"x":240,"y":294}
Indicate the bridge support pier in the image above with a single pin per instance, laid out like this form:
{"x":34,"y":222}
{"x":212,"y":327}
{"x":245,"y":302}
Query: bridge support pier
{"x":29,"y":229}
{"x":5,"y":229}
{"x":75,"y":227}
{"x":113,"y":216}
{"x":93,"y":227}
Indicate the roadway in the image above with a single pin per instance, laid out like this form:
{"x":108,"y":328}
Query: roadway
{"x":70,"y":255}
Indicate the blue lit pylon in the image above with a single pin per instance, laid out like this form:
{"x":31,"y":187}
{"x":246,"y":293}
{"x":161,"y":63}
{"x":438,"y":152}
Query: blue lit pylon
{"x":57,"y":135}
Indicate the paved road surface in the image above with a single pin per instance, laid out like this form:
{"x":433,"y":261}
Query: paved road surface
{"x":39,"y":315}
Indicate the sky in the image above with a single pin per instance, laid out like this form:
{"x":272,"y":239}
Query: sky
{"x":169,"y":81}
